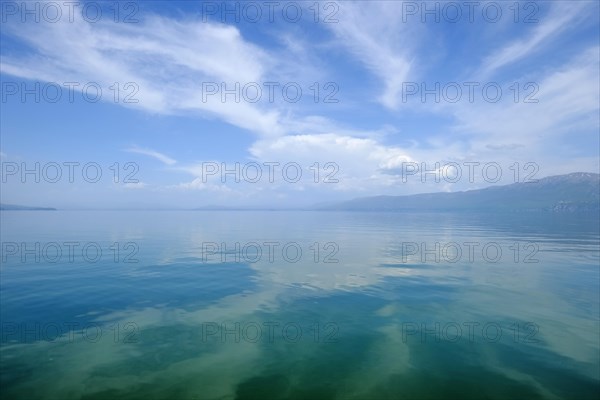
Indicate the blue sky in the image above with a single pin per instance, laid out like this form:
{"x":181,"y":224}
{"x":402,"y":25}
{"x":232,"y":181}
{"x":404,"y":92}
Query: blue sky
{"x":372,"y":58}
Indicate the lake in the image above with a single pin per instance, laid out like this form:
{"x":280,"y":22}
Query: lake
{"x":299,"y":305}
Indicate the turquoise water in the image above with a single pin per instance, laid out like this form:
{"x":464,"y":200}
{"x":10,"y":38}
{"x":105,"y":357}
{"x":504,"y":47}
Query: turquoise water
{"x":307,"y":305}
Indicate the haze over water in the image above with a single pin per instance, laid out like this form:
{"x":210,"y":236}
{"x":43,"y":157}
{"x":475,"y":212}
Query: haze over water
{"x":357,"y":306}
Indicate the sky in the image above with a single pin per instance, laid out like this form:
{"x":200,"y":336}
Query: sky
{"x":151,"y":104}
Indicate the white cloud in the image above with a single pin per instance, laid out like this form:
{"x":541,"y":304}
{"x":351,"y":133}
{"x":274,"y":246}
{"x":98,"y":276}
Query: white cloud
{"x":560,"y":17}
{"x":373,"y":33}
{"x":201,"y":184}
{"x":155,"y":154}
{"x":167,"y":59}
{"x":138,"y":185}
{"x":360,"y":162}
{"x":567,"y":102}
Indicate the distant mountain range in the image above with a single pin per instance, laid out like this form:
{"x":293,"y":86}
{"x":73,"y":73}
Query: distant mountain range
{"x":576,"y":192}
{"x":24,"y":208}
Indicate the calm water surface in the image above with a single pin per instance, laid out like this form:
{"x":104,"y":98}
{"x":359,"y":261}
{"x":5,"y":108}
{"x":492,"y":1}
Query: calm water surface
{"x":298,"y":305}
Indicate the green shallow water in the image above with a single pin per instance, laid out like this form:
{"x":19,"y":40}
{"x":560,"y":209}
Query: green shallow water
{"x":360,"y":306}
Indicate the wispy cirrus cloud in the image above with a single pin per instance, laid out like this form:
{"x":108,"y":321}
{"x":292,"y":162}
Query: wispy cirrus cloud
{"x":565,"y":104}
{"x":560,"y":18}
{"x":152,"y":153}
{"x":372,"y":33}
{"x":167,"y":60}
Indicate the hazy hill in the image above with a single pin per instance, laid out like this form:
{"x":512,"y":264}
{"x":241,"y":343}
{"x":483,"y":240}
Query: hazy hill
{"x":24,"y":208}
{"x":576,"y":192}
